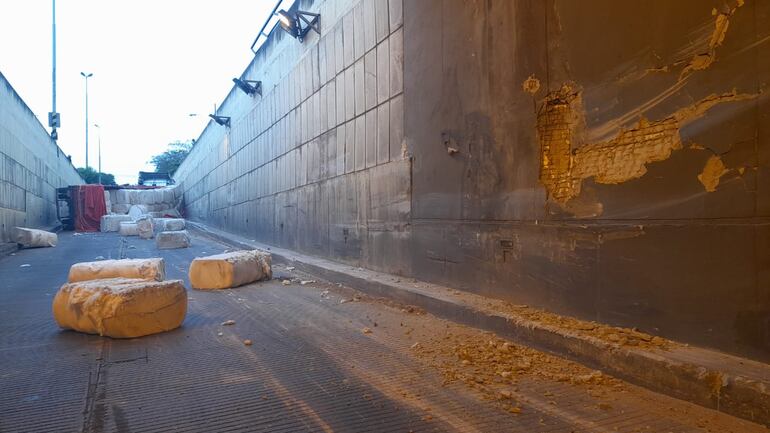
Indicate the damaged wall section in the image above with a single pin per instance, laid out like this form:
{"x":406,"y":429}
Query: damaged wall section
{"x":612,"y":160}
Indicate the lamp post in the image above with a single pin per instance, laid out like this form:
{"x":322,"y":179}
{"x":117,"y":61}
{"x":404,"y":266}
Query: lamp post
{"x":53,"y":117}
{"x":86,"y":77}
{"x":100,"y":152}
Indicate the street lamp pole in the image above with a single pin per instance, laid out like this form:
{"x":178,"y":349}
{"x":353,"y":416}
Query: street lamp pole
{"x":53,"y":117}
{"x":100,"y":152}
{"x":86,"y":77}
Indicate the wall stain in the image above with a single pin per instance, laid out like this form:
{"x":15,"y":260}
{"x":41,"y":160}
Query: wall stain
{"x":566,"y":159}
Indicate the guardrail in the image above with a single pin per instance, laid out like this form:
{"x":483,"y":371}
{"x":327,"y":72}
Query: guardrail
{"x":271,"y":18}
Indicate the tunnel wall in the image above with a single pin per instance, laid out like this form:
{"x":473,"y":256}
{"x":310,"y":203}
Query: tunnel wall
{"x":316,"y":162}
{"x":606,"y":160}
{"x":31,"y":167}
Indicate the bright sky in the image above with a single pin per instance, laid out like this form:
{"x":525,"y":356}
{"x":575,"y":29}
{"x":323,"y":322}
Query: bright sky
{"x":154,"y":62}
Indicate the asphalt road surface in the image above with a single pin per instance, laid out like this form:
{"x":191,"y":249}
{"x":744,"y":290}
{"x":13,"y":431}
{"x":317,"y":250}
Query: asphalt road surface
{"x":323,"y":358}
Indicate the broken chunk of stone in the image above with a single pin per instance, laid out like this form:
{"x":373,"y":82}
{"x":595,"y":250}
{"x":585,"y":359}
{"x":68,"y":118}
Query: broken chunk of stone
{"x":111,"y":223}
{"x":128,"y":229}
{"x":121,"y":307}
{"x":144,"y":227}
{"x":171,"y":240}
{"x":34,"y":238}
{"x":232,"y":269}
{"x":145,"y":269}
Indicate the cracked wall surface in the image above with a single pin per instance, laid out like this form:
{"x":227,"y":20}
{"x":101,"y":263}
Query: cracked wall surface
{"x":567,"y":160}
{"x":602,"y":159}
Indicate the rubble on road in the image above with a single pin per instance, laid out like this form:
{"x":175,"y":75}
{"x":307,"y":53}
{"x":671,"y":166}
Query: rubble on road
{"x":147,"y":269}
{"x":121,"y":307}
{"x":232,"y":269}
{"x":34,"y":238}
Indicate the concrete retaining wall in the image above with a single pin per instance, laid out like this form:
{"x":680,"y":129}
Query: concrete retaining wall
{"x":606,"y":160}
{"x":31,"y":167}
{"x":316,"y":163}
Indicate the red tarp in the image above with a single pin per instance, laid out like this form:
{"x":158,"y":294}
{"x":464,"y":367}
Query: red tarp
{"x":89,"y":206}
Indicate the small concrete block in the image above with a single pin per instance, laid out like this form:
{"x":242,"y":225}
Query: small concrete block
{"x":144,"y":269}
{"x":111,"y":223}
{"x":233,"y":269}
{"x":121,"y":307}
{"x":172,"y":240}
{"x":34,"y":238}
{"x":128,"y":229}
{"x":144,"y":227}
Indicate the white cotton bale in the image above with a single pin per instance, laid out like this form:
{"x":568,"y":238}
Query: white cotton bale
{"x":121,"y":307}
{"x":172,"y":240}
{"x":128,"y":229}
{"x":145,"y":269}
{"x":145,"y":227}
{"x":34,"y":238}
{"x":137,"y":211}
{"x":120,"y":208}
{"x":232,"y":269}
{"x":111,"y":223}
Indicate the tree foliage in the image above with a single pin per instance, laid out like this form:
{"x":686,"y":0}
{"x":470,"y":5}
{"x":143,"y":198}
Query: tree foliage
{"x":171,"y":159}
{"x":90,"y":175}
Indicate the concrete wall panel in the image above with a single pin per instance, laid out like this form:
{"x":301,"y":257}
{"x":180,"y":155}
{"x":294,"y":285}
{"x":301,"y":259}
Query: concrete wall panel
{"x":31,"y":167}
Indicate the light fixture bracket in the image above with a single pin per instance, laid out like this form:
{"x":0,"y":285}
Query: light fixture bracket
{"x":222,"y":120}
{"x":299,"y":23}
{"x":250,"y":87}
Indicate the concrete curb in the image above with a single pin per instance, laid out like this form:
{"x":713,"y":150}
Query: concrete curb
{"x":736,"y":386}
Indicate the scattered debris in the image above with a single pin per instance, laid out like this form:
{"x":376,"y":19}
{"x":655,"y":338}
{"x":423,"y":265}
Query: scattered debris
{"x":416,"y":345}
{"x":366,"y":331}
{"x":219,"y":334}
{"x":290,"y":268}
{"x":247,"y":342}
{"x":325,"y":294}
{"x":303,"y":282}
{"x":228,"y":322}
{"x":604,"y":406}
{"x":286,"y":282}
{"x":99,"y":258}
{"x":25,"y":265}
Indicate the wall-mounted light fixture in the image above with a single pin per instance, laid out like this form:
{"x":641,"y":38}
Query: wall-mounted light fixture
{"x":222,"y":120}
{"x":250,"y":87}
{"x":298,"y":23}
